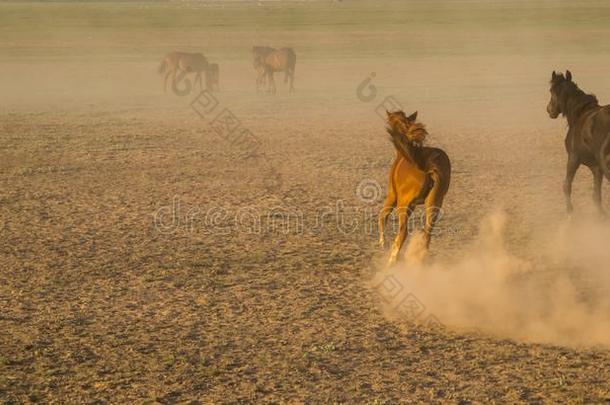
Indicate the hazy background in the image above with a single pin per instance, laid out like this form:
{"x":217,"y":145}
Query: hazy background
{"x":463,"y":55}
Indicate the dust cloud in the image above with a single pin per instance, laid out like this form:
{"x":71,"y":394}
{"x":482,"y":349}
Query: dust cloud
{"x":553,"y":297}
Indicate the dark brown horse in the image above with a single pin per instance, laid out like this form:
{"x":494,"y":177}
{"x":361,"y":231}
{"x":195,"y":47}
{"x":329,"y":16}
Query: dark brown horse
{"x":184,"y":63}
{"x":267,"y":60}
{"x":419,"y":175}
{"x":587,"y":141}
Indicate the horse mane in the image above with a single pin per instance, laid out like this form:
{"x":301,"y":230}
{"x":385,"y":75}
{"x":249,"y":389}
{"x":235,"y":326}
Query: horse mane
{"x":407,"y":136}
{"x":572,"y":99}
{"x":417,"y":133}
{"x":406,"y":146}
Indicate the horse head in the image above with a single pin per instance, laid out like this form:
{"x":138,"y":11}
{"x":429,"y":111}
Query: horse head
{"x":406,"y":125}
{"x":557,"y":79}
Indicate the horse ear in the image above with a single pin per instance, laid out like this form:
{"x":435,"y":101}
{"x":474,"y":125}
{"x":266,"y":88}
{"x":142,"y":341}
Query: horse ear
{"x":568,"y":75}
{"x":412,"y":117}
{"x":554,"y":75}
{"x":387,"y":112}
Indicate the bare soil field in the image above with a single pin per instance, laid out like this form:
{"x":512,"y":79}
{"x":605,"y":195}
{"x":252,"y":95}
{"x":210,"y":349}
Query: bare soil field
{"x":148,"y":256}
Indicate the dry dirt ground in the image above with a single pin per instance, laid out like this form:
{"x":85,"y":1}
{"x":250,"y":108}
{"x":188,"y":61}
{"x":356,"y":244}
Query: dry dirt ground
{"x":147,"y":256}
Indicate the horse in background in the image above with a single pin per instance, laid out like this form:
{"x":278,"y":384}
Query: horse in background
{"x":588,"y":139}
{"x":267,"y":60}
{"x":419,"y":175}
{"x":174,"y":62}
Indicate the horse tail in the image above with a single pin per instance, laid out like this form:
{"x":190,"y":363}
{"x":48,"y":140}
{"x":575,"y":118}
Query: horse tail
{"x":290,"y":65}
{"x":439,"y":172}
{"x":438,"y":177}
{"x":162,"y":66}
{"x":603,"y":155}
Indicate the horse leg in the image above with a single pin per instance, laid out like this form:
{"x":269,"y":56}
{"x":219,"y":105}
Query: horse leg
{"x":271,"y":80}
{"x":291,"y":81}
{"x":572,"y":167}
{"x":388,"y":204}
{"x":260,"y":80}
{"x":598,"y":177}
{"x":433,"y":205}
{"x":198,"y":80}
{"x":174,"y":78}
{"x":403,"y":220}
{"x":169,"y":72}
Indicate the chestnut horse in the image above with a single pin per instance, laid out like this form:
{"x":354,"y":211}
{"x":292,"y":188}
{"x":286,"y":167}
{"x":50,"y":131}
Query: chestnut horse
{"x":588,"y":137}
{"x":267,"y":60}
{"x":419,"y":175}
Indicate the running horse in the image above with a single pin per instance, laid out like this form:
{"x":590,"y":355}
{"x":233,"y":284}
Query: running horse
{"x":183,"y":62}
{"x":588,"y":139}
{"x":267,"y":60}
{"x":419,"y":175}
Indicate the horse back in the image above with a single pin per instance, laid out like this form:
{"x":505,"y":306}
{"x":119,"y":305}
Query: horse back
{"x":600,"y":126}
{"x":602,"y":118}
{"x":585,"y":139}
{"x":280,"y":59}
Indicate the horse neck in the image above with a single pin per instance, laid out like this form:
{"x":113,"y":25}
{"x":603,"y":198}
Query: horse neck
{"x":577,"y":103}
{"x":409,"y":152}
{"x":413,"y":153}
